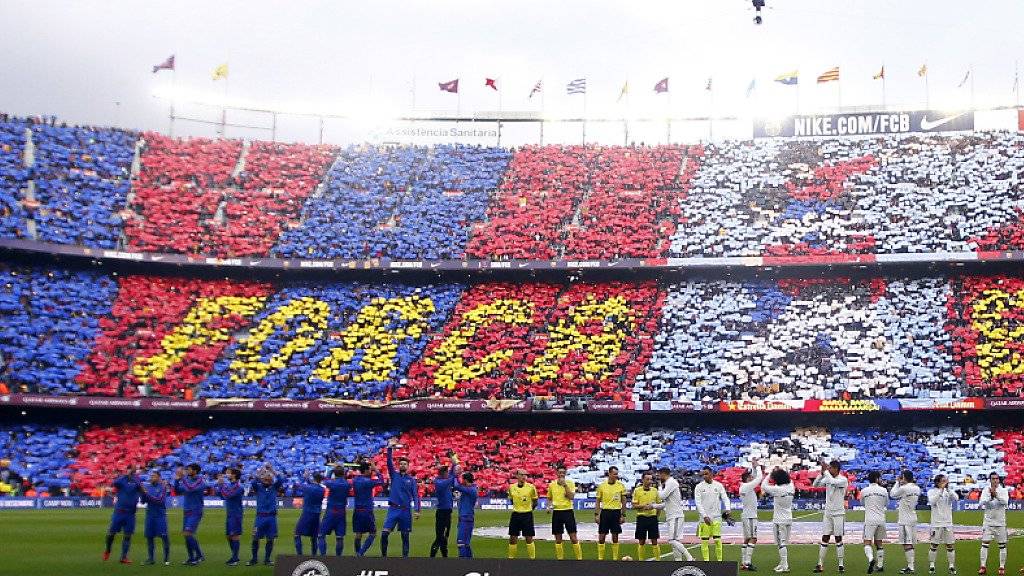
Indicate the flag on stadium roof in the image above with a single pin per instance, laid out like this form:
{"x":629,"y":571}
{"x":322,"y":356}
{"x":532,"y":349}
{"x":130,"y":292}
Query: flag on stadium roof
{"x":830,"y":75}
{"x":624,"y":91}
{"x":220,"y":71}
{"x":450,"y":86}
{"x":708,"y":85}
{"x":923,"y":70}
{"x":491,"y":83}
{"x":577,"y":86}
{"x":967,"y":76}
{"x":880,"y":75}
{"x":789,"y":78}
{"x":662,"y":86}
{"x":165,"y":65}
{"x":536,"y":88}
{"x":751,"y":87}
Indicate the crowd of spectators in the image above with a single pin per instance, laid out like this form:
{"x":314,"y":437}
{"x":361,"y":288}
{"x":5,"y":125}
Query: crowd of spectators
{"x":49,"y":319}
{"x":412,"y":203}
{"x":986,"y":320}
{"x":522,"y":340}
{"x":586,"y":202}
{"x":82,"y":181}
{"x":890,"y":194}
{"x":801,"y":339}
{"x":43,"y":459}
{"x":337,"y":340}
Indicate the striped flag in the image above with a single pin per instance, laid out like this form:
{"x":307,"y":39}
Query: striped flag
{"x":880,"y":75}
{"x":577,"y":86}
{"x":830,"y":75}
{"x":536,"y":89}
{"x":789,"y":78}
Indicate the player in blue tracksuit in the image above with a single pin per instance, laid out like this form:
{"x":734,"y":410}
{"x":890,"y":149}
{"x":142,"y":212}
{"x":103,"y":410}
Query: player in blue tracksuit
{"x":129,"y":487}
{"x":443,"y":491}
{"x":265,"y":487}
{"x":191,"y":487}
{"x":230,"y":489}
{"x":338,"y":489}
{"x":154,"y":494}
{"x":363,"y":521}
{"x":468,"y":494}
{"x":309,"y":520}
{"x":402,"y":493}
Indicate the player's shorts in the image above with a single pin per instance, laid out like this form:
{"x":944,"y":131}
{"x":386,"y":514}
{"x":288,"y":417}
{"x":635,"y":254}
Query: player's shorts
{"x":334,"y":521}
{"x":942,"y":535}
{"x":122,"y":522}
{"x":674,"y":529}
{"x":749,"y":528}
{"x":521,"y":524}
{"x":563,"y":521}
{"x":874,"y":532}
{"x":713,"y":530}
{"x":363,"y":521}
{"x":781,"y":533}
{"x":464,"y":531}
{"x":190,"y":520}
{"x":400,"y":518}
{"x":647,"y":528}
{"x":156,"y":527}
{"x":308,"y":524}
{"x":907,"y":534}
{"x":233,"y":525}
{"x":997,"y":533}
{"x":833,"y":525}
{"x":265,"y":526}
{"x":610,"y":522}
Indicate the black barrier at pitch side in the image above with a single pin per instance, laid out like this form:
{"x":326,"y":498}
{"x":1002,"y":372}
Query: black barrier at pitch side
{"x":347,"y":566}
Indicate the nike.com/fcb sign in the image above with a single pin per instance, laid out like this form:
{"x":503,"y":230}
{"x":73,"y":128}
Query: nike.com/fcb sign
{"x":864,"y":124}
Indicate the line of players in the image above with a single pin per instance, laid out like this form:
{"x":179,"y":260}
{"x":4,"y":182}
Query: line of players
{"x":648,"y":499}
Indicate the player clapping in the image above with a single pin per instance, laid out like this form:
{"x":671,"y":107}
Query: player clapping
{"x":875,"y":499}
{"x":782,"y":492}
{"x":750,"y":480}
{"x":906,"y":492}
{"x":230,"y":489}
{"x":265,"y":487}
{"x":994,"y":500}
{"x":834,"y":520}
{"x":154,"y":494}
{"x":309,"y":520}
{"x":128,"y":487}
{"x":942,"y":499}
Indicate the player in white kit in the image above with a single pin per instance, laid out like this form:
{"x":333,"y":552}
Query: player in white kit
{"x":993,"y":501}
{"x":906,"y":492}
{"x":712,"y":506}
{"x":942,"y":500}
{"x":749,"y":482}
{"x":875,"y":499}
{"x":782,"y":491}
{"x":672,"y":502}
{"x":834,"y":522}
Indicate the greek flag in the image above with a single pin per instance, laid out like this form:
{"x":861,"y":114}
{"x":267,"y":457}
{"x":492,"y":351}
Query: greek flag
{"x":578,"y":86}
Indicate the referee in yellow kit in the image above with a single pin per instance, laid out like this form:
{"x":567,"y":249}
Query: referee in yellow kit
{"x":524,"y":499}
{"x":560,"y":496}
{"x":646,"y":504}
{"x":610,"y":512}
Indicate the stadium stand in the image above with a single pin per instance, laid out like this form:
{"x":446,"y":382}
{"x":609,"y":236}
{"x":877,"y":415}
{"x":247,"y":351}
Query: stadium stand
{"x":50,"y":319}
{"x":75,"y":460}
{"x":138,"y":445}
{"x":14,"y":176}
{"x":891,"y":194}
{"x":985,"y":322}
{"x":163,"y":334}
{"x":410,"y":203}
{"x":586,"y":202}
{"x":82,"y":182}
{"x":800,"y":339}
{"x":341,"y":340}
{"x":294,"y":452}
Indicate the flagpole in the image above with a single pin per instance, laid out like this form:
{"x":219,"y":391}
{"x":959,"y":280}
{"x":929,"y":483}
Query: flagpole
{"x":971,"y":71}
{"x":668,"y":118}
{"x":884,"y":107}
{"x":927,"y":92}
{"x":1016,"y":83}
{"x":543,"y":99}
{"x":413,"y":92}
{"x":498,"y":81}
{"x":584,"y":115}
{"x":224,"y":110}
{"x":711,"y":112}
{"x":174,"y":95}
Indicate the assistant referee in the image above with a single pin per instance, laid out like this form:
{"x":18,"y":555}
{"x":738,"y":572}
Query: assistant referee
{"x":524,"y":499}
{"x":611,"y":507}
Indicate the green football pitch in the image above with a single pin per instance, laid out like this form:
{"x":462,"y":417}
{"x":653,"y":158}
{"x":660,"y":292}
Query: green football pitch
{"x":58,"y":542}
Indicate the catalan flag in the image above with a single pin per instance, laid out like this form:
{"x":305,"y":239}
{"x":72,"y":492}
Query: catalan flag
{"x":830,"y":75}
{"x":880,"y":75}
{"x":220,"y":72}
{"x":789,"y":78}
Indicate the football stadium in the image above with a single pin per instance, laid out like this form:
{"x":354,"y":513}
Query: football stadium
{"x":468,"y":289}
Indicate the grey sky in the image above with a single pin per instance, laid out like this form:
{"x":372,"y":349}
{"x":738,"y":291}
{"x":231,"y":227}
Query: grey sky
{"x":76,"y":59}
